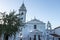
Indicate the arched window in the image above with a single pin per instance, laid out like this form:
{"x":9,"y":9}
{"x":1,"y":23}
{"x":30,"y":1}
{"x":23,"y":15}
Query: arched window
{"x":34,"y":26}
{"x":22,"y":13}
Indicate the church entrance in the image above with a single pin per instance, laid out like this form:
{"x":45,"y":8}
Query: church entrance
{"x":39,"y":37}
{"x":35,"y":37}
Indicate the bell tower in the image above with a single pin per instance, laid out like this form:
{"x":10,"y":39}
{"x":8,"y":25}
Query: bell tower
{"x":22,"y":12}
{"x":49,"y":26}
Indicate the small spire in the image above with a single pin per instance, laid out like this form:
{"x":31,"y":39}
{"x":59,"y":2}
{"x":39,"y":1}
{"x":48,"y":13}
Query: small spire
{"x":34,"y":17}
{"x":49,"y":23}
{"x":23,"y":8}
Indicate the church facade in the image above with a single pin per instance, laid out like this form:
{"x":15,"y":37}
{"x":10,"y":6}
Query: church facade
{"x":35,"y":29}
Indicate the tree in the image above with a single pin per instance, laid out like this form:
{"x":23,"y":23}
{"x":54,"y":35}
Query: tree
{"x":1,"y":24}
{"x":11,"y":24}
{"x":0,"y":31}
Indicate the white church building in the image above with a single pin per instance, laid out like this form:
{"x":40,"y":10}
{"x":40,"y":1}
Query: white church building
{"x":35,"y":29}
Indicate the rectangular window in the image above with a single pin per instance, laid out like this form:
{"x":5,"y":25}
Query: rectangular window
{"x":34,"y":26}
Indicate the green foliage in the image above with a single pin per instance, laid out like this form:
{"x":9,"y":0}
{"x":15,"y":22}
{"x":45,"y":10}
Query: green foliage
{"x":11,"y":23}
{"x":1,"y":29}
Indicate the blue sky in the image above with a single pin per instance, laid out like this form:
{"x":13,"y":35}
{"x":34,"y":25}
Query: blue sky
{"x":44,"y":10}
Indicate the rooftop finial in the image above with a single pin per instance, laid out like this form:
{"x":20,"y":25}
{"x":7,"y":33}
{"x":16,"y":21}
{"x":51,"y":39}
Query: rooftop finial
{"x":34,"y":17}
{"x":23,"y":8}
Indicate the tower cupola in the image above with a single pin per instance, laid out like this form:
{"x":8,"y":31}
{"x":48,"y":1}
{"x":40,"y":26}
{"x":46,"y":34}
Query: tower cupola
{"x":49,"y":25}
{"x":22,"y":12}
